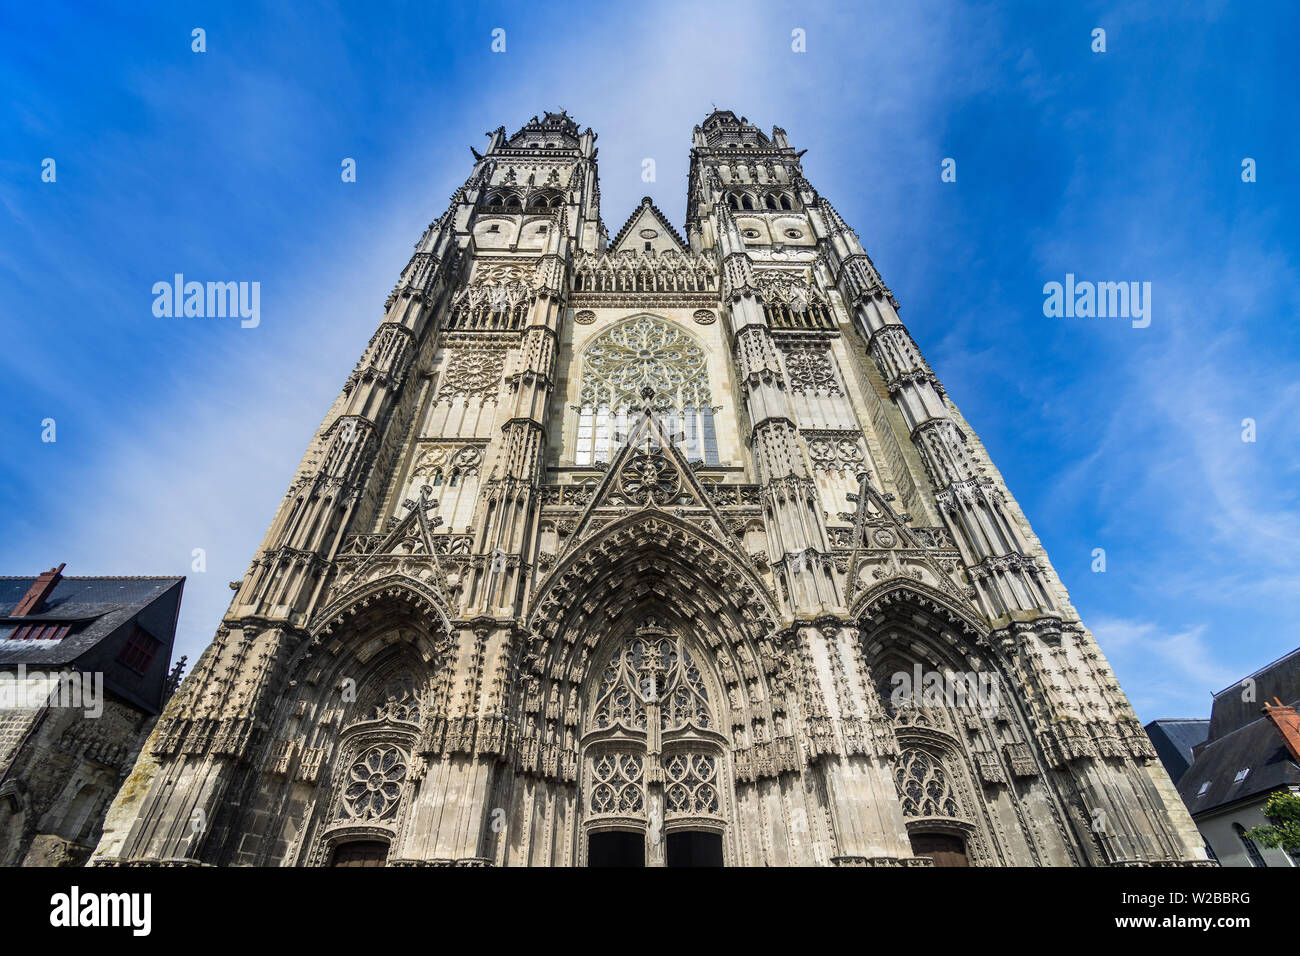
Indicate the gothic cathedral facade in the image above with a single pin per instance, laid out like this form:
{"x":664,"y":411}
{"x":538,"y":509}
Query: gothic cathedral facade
{"x":618,"y":551}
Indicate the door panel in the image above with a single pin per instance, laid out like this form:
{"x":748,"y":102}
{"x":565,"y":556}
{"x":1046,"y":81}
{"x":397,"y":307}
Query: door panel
{"x":361,"y":853}
{"x":694,"y":848}
{"x":945,"y":849}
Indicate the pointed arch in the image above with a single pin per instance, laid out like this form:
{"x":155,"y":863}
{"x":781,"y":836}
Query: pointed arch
{"x":973,"y":736}
{"x":695,"y":556}
{"x":393,"y":607}
{"x":946,"y":611}
{"x":656,"y":564}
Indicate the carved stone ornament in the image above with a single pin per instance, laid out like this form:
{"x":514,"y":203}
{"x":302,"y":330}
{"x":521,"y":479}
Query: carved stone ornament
{"x":473,"y":373}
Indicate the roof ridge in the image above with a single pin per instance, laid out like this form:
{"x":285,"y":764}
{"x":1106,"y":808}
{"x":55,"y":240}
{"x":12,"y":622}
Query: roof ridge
{"x":99,"y":577}
{"x":1237,"y":683}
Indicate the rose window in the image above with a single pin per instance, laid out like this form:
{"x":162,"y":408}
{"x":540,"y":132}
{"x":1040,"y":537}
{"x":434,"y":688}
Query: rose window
{"x":645,"y":352}
{"x":375,"y":783}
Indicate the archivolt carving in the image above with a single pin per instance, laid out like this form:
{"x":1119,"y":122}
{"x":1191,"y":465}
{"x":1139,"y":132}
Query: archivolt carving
{"x":692,"y":556}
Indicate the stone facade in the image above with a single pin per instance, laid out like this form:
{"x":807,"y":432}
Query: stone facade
{"x":612,"y":550}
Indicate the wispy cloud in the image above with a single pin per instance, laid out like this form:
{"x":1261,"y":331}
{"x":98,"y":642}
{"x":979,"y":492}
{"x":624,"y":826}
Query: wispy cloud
{"x":1165,"y":673}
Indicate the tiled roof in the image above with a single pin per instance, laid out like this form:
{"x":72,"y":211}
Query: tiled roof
{"x":1175,"y":739}
{"x":1238,"y":704}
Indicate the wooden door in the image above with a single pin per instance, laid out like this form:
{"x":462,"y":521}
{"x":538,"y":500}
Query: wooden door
{"x":943,"y":848}
{"x":361,"y":853}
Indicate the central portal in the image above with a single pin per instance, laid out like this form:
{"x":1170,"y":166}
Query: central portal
{"x":655,"y":782}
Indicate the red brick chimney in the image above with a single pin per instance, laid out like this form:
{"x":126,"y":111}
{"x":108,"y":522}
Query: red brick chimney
{"x":40,"y":590}
{"x":1287,"y":722}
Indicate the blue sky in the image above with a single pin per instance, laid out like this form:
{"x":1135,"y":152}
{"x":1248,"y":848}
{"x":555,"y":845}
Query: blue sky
{"x":176,"y":434}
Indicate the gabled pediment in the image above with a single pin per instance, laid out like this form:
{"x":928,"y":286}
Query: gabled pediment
{"x":408,"y":551}
{"x":886,"y":549}
{"x":647,"y":225}
{"x":650,"y":473}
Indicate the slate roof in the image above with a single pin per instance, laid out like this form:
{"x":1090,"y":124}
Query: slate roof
{"x":1241,"y":738}
{"x":1175,"y":739}
{"x":102,"y":612}
{"x":1278,"y":679}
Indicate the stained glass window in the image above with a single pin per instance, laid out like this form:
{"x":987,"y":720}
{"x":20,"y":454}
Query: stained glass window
{"x":619,"y":364}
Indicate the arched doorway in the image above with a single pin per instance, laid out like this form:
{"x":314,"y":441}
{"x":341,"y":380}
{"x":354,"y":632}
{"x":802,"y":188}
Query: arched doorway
{"x":688,"y":758}
{"x":615,"y":848}
{"x":963,"y":741}
{"x":688,"y":848}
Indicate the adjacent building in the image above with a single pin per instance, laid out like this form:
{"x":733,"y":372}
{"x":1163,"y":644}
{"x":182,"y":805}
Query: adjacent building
{"x":1252,"y":751}
{"x":612,"y":550}
{"x":83,"y":674}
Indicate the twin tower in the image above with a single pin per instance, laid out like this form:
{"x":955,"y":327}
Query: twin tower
{"x":664,"y":549}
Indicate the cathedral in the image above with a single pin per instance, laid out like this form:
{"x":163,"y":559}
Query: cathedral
{"x":660,"y":549}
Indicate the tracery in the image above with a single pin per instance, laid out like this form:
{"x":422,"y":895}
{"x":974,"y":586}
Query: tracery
{"x":652,"y":708}
{"x":645,"y":352}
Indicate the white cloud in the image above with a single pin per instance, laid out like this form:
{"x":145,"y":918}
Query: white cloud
{"x":1165,"y":673}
